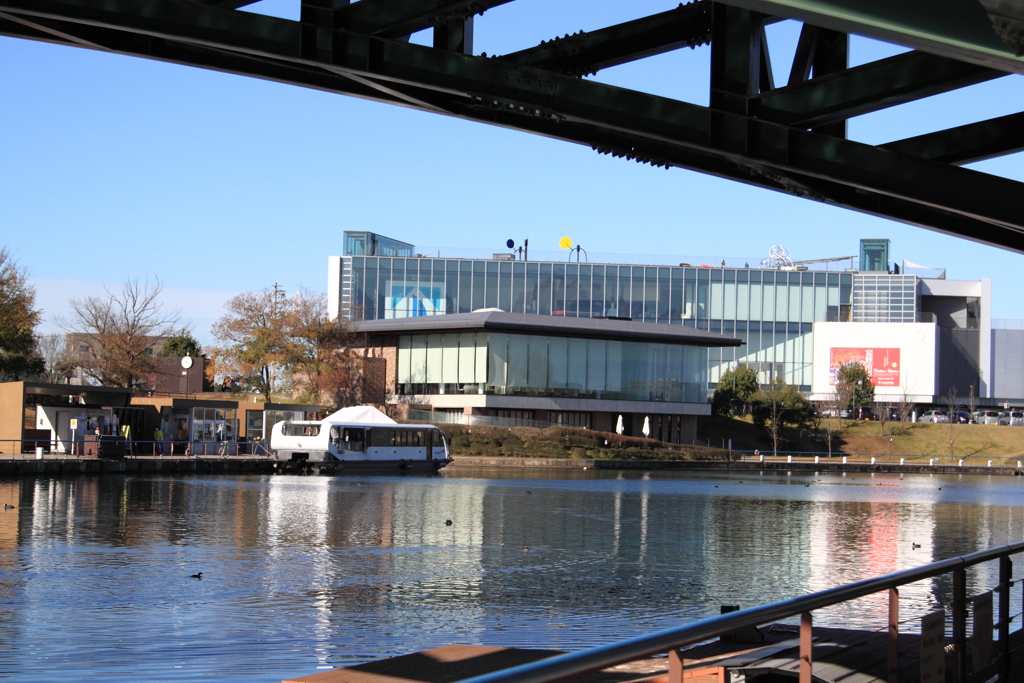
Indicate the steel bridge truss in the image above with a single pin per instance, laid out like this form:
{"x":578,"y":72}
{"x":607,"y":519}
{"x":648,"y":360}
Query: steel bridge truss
{"x":787,"y":137}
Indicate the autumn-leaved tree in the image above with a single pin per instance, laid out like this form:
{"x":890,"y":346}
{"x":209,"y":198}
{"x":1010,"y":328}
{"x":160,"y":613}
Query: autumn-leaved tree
{"x":252,"y":336}
{"x":320,"y":357}
{"x":269,"y":342}
{"x":117,"y":332}
{"x":18,"y":318}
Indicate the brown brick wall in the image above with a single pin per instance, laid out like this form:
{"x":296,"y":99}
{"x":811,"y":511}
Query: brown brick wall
{"x":385,"y":347}
{"x":375,"y":385}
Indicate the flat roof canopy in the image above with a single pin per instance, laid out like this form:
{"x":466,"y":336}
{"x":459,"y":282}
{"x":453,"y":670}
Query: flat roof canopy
{"x":118,"y":397}
{"x":522,"y":323}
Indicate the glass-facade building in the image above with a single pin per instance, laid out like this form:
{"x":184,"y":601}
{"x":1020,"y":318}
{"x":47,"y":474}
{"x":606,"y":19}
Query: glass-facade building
{"x":771,"y":311}
{"x":884,"y":298}
{"x":372,"y":244}
{"x":509,"y":364}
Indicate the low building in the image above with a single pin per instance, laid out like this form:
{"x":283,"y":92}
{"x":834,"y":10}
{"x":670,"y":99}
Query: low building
{"x":56,"y":416}
{"x":576,"y":371}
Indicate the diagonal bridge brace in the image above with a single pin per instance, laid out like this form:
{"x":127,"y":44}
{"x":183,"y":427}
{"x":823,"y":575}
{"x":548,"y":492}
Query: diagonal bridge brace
{"x":882,"y":182}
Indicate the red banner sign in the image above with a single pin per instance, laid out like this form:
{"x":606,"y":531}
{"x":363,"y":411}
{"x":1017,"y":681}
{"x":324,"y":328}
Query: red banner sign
{"x":883,"y":365}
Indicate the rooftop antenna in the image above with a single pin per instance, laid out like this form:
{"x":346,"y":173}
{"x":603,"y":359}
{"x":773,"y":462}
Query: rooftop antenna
{"x":578,"y":249}
{"x":523,"y":251}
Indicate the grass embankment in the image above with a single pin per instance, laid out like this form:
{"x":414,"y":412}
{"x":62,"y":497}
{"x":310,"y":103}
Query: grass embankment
{"x":997,"y":442}
{"x":566,"y":442}
{"x":1003,"y":445}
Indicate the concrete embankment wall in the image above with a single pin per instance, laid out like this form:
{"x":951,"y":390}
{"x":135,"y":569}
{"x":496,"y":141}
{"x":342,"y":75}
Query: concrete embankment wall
{"x":72,"y":467}
{"x":723,"y":466}
{"x":237,"y":465}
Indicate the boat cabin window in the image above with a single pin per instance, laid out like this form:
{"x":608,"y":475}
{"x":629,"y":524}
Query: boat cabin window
{"x":300,"y":430}
{"x":407,"y":437}
{"x":354,"y":438}
{"x":336,"y":436}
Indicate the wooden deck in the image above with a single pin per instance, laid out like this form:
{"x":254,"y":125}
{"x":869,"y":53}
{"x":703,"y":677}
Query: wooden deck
{"x":839,"y":656}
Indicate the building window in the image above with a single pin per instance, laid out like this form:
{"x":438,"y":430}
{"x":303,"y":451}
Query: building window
{"x":571,"y":419}
{"x":513,"y":414}
{"x":540,"y":365}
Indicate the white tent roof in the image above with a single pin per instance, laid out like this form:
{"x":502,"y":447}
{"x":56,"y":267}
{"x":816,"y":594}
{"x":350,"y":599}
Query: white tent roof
{"x":360,"y":414}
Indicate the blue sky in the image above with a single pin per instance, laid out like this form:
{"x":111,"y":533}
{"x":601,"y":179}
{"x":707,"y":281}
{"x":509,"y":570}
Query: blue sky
{"x":114,"y":167}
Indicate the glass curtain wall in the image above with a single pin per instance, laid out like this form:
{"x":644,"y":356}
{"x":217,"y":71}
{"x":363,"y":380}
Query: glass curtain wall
{"x":542,"y":365}
{"x":885,"y":298}
{"x":771,"y":311}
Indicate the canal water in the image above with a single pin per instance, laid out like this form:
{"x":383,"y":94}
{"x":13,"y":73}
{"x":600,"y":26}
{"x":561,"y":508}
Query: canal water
{"x":302,"y":573}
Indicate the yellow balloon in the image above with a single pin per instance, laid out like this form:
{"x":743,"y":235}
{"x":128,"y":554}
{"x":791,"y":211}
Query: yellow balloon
{"x":565,"y":243}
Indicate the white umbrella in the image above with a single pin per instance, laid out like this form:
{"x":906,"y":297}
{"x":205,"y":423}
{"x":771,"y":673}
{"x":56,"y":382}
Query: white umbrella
{"x":619,"y":428}
{"x":647,"y":427}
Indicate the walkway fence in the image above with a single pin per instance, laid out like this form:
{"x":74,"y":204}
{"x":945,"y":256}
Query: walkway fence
{"x":948,"y":628}
{"x":117,"y":447}
{"x":109,"y":446}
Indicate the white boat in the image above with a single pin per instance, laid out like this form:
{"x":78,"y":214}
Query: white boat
{"x":362,"y":439}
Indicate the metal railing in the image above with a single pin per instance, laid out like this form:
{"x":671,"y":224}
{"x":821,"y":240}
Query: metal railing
{"x":671,"y":640}
{"x":27,"y":449}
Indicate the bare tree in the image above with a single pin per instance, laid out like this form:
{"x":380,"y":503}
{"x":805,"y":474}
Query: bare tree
{"x":953,"y":406}
{"x":882,"y":410}
{"x":118,"y":332}
{"x":904,"y":405}
{"x":59,"y":357}
{"x":972,"y":401}
{"x":837,"y":402}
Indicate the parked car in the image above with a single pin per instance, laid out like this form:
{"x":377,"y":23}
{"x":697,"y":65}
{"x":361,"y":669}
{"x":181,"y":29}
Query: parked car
{"x":863,"y":413}
{"x":1014,"y":418}
{"x":986,"y":417}
{"x":891,"y":414}
{"x":963,"y":417}
{"x":935,"y":416}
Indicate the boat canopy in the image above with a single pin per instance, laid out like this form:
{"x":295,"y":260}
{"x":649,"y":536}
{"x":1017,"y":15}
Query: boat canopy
{"x":360,"y":414}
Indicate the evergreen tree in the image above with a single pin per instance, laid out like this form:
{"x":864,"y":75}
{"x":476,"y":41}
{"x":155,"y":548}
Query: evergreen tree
{"x":18,"y":318}
{"x":779,"y":404}
{"x":855,"y":377}
{"x":735,"y":390}
{"x":181,"y":344}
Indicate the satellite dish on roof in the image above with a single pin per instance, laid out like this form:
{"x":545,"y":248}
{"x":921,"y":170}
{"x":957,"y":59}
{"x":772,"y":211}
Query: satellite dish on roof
{"x":565,"y":243}
{"x":510,"y":244}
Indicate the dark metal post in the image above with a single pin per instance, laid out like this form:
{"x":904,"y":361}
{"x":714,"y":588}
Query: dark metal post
{"x":894,"y":633}
{"x":831,"y":55}
{"x":316,"y":36}
{"x":735,"y":57}
{"x":806,"y":658}
{"x":455,"y":35}
{"x":1005,"y":574}
{"x":960,"y":625}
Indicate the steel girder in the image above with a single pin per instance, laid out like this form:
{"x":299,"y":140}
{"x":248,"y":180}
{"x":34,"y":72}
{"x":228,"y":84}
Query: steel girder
{"x":789,"y":139}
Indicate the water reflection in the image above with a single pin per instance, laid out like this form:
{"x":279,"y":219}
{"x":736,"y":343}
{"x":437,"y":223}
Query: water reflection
{"x":308,"y":572}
